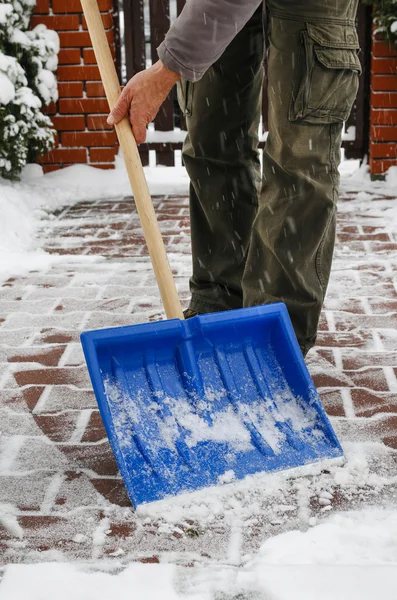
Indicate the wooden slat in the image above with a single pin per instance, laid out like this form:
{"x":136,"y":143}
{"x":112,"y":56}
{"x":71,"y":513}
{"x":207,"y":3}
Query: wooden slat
{"x":359,"y":117}
{"x":117,"y":40}
{"x":159,"y":25}
{"x":134,"y":36}
{"x":179,"y":5}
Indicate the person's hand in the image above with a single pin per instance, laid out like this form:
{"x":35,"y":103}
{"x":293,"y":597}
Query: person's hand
{"x":142,"y":97}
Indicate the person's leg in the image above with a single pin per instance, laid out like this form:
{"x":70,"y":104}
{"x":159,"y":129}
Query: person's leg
{"x":220,"y":154}
{"x":312,"y":84}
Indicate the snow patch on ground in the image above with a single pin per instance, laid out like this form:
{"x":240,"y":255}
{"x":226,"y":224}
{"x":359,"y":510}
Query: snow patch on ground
{"x":351,"y":555}
{"x":25,"y":204}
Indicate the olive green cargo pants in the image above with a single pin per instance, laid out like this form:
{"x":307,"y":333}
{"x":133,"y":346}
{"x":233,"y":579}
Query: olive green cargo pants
{"x":257,"y":240}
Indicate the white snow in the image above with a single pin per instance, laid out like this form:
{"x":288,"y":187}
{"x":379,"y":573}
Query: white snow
{"x":350,"y":556}
{"x":20,"y":37}
{"x":5,"y":11}
{"x":26,"y":203}
{"x":26,"y":98}
{"x":47,"y":86}
{"x":7,"y":89}
{"x":174,"y":136}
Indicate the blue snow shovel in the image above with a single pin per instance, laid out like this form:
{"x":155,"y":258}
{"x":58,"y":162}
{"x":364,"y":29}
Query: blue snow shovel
{"x":189,"y":404}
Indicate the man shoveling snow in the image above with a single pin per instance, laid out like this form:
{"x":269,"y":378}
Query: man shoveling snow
{"x":253,"y":248}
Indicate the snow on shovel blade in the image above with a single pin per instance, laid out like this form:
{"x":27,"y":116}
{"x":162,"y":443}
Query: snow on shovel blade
{"x":189,"y":404}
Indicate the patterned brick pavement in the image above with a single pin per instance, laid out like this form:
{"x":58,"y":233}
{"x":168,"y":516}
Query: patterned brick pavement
{"x":60,"y":493}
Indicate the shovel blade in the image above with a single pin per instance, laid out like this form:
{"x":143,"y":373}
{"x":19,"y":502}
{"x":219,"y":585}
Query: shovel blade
{"x":189,"y":404}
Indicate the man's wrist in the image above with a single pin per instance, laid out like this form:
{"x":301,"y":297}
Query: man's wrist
{"x":169,"y":75}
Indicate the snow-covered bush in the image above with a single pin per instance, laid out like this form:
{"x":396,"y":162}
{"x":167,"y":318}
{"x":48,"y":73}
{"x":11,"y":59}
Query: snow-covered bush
{"x":385,"y":16}
{"x":27,"y":82}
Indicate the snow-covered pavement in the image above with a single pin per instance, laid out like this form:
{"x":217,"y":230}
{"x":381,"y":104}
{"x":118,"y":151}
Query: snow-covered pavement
{"x":329,"y":534}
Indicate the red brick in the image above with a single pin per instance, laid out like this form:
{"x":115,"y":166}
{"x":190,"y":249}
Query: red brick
{"x":76,"y":123}
{"x":89,"y":138}
{"x":388,"y":66}
{"x":384,"y":99}
{"x":107,"y":20}
{"x":383,"y":117}
{"x":105,"y":5}
{"x":94,"y":89}
{"x":61,"y":155}
{"x":383,"y":150}
{"x":72,"y":89}
{"x":57,"y":22}
{"x":31,"y":395}
{"x":52,"y":375}
{"x":50,"y":109}
{"x":84,"y":105}
{"x":383,"y":48}
{"x":95,"y":431}
{"x":384,"y":83}
{"x":80,"y":39}
{"x":50,"y":168}
{"x":103,"y":166}
{"x":379,"y":166}
{"x":89,"y":56}
{"x":74,"y":39}
{"x":113,"y":490}
{"x":102,"y":154}
{"x":96,"y":457}
{"x":49,"y":357}
{"x":381,"y":133}
{"x":57,"y":428}
{"x":69,"y":56}
{"x":98,"y":122}
{"x":80,"y":73}
{"x":42,"y":7}
{"x":71,"y":6}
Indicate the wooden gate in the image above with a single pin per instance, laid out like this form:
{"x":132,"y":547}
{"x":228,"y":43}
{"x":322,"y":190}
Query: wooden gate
{"x":145,"y":24}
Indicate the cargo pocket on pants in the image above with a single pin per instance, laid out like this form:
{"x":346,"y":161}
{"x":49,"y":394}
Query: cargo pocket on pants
{"x":326,"y":80}
{"x":185,"y":96}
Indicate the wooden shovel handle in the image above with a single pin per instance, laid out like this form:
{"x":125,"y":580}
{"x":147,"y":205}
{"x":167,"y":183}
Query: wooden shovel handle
{"x":133,"y":164}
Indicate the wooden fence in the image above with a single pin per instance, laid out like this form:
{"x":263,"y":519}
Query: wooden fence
{"x":145,"y":24}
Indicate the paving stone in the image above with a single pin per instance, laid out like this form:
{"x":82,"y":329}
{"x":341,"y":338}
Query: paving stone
{"x":57,"y":427}
{"x":54,"y":376}
{"x":66,"y":397}
{"x":28,"y":307}
{"x":69,"y":320}
{"x":80,"y":293}
{"x":55,"y":336}
{"x":333,"y":402}
{"x":26,"y":492}
{"x":95,"y":430}
{"x":95,"y":457}
{"x":17,"y":423}
{"x":368,"y":403}
{"x":48,"y":357}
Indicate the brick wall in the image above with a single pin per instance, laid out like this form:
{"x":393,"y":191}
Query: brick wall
{"x":383,"y":102}
{"x":80,"y":114}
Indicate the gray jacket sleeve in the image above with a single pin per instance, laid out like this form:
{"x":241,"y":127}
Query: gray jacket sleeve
{"x":201,"y":33}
